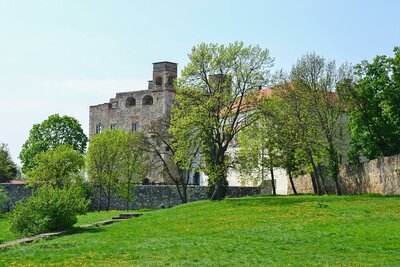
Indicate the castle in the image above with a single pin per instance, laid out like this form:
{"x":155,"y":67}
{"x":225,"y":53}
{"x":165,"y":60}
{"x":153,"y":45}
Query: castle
{"x":135,"y":109}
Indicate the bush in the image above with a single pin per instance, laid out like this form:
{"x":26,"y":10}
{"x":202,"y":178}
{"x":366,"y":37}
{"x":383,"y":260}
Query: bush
{"x":3,"y":198}
{"x":48,"y":210}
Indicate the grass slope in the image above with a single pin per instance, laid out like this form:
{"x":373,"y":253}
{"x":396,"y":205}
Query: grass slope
{"x":254,"y":231}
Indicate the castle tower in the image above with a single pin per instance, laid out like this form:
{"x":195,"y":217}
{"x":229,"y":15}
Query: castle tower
{"x":164,"y":74}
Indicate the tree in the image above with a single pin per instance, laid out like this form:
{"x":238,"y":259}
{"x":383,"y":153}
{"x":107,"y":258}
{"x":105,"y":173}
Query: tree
{"x":8,"y":169}
{"x":103,"y":163}
{"x":176,"y":164}
{"x":258,"y":148}
{"x":303,"y":137}
{"x":59,"y":168}
{"x":134,"y":163}
{"x":212,"y":103}
{"x":319,"y":78}
{"x":374,"y":107}
{"x":49,"y":134}
{"x":270,"y":142}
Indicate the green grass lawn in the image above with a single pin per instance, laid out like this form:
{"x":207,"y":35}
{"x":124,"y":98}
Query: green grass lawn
{"x":6,"y":235}
{"x":253,"y":231}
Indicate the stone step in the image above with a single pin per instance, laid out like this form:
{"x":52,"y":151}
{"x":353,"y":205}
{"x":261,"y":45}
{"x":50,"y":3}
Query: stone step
{"x":127,"y":215}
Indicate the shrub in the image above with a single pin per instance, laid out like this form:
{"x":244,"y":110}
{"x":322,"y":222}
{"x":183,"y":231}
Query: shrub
{"x":48,"y":210}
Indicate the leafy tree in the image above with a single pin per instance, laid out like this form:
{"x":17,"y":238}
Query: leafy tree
{"x":304,"y":136}
{"x":212,"y":103}
{"x":270,"y":142}
{"x":103,"y":162}
{"x":177,"y":164}
{"x":59,"y":168}
{"x":134,"y":163}
{"x":318,"y":79}
{"x":49,"y":134}
{"x":48,"y":209}
{"x":374,"y":107}
{"x":8,"y":169}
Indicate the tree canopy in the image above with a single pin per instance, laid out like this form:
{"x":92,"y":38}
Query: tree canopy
{"x":374,"y":107}
{"x":52,"y":132}
{"x":61,"y":167}
{"x":212,"y":104}
{"x":8,"y":169}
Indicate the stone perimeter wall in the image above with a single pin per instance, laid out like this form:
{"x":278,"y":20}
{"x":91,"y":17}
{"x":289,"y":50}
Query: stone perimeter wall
{"x":381,"y":176}
{"x":146,"y":196}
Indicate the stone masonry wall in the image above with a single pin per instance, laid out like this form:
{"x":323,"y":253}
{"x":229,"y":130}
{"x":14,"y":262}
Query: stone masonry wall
{"x":146,"y":196}
{"x":15,"y":193}
{"x":165,"y":196}
{"x":381,"y":176}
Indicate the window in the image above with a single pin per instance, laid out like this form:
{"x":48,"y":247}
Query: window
{"x":114,"y":104}
{"x":196,"y":178}
{"x":158,"y":81}
{"x":113,"y":126}
{"x":99,"y":128}
{"x":135,"y":126}
{"x":130,"y":102}
{"x":147,"y":100}
{"x":171,"y":80}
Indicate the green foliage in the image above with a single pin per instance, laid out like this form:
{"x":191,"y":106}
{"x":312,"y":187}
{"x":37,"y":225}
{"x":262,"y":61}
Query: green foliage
{"x":61,"y":167}
{"x":374,"y":107}
{"x":114,"y":161}
{"x":134,"y":163}
{"x":102,"y":162}
{"x":48,"y":210}
{"x":213,"y":101}
{"x":8,"y":169}
{"x":49,"y":134}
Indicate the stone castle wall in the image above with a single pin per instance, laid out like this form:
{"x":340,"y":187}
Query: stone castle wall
{"x":15,"y":192}
{"x":381,"y":176}
{"x":145,"y":196}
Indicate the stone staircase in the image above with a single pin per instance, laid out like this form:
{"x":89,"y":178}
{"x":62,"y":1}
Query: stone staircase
{"x":124,"y":216}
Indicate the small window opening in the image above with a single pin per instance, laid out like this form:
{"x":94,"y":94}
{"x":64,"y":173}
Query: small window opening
{"x":99,"y":128}
{"x":130,"y":102}
{"x":158,"y":81}
{"x":135,"y":126}
{"x":147,"y":100}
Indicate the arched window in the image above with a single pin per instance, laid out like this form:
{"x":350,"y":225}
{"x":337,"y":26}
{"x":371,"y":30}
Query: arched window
{"x":130,"y":102}
{"x":147,"y":100}
{"x":158,"y":80}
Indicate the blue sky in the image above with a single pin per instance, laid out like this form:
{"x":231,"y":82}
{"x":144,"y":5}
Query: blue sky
{"x":63,"y":56}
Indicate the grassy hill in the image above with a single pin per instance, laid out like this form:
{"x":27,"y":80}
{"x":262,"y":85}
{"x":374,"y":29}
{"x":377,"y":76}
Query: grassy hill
{"x":254,"y":231}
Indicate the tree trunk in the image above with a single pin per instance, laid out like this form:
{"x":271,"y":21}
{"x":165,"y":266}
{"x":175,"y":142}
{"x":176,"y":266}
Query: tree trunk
{"x":271,"y":169}
{"x":99,"y":200}
{"x":291,"y":182}
{"x":108,"y":194}
{"x":334,"y":162}
{"x":322,"y":179}
{"x":315,"y":171}
{"x":314,"y":184}
{"x":128,"y":195}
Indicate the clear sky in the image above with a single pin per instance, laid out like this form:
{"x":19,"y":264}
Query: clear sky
{"x":63,"y":56}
